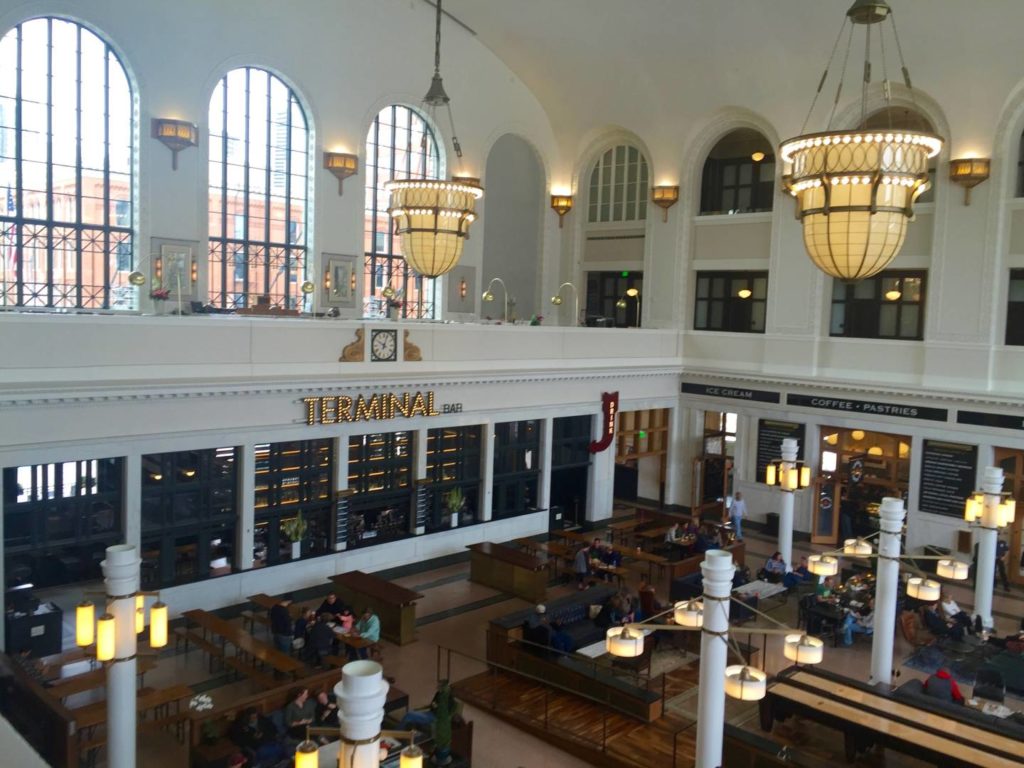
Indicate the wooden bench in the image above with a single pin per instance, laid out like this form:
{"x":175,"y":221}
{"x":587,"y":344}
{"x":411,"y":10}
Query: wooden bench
{"x":251,"y":618}
{"x":251,"y":671}
{"x":212,"y":649}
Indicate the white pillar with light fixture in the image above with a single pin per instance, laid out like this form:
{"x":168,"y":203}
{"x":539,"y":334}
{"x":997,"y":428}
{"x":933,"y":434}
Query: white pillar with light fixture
{"x":121,"y":577}
{"x":790,"y":475}
{"x":600,"y":476}
{"x":887,"y":584}
{"x":987,"y":509}
{"x":718,"y":571}
{"x":361,"y":695}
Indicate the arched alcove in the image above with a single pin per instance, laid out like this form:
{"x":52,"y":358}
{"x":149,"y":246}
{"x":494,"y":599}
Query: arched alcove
{"x":512,"y":225}
{"x":738,"y":175}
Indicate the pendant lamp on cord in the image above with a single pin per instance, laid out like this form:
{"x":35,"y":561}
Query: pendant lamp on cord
{"x":855,"y":189}
{"x":432,"y":217}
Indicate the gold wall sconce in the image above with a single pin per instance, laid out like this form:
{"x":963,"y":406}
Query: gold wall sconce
{"x":176,"y":135}
{"x":561,"y":204}
{"x":557,"y":301}
{"x":665,"y":197}
{"x":463,"y":288}
{"x":969,"y":172}
{"x":342,"y":165}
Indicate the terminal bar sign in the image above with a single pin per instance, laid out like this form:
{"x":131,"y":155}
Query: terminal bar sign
{"x":384,"y":407}
{"x":609,"y":409}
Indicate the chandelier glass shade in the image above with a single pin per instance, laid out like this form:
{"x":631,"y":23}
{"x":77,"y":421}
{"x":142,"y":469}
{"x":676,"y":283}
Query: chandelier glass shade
{"x":745,"y":683}
{"x":624,"y":643}
{"x":803,"y":649}
{"x":855,"y":193}
{"x":432,"y":218}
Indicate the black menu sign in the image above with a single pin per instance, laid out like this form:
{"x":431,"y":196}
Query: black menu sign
{"x":947,"y":476}
{"x":770,"y":435}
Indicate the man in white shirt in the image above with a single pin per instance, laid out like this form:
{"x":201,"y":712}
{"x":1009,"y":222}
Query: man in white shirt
{"x":737,"y":512}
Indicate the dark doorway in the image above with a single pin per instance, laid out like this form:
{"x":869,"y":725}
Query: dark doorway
{"x":568,"y":497}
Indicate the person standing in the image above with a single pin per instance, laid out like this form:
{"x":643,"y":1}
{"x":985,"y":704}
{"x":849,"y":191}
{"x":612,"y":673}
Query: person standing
{"x":1002,"y":553}
{"x":281,"y":626}
{"x":581,"y":566}
{"x":737,"y":512}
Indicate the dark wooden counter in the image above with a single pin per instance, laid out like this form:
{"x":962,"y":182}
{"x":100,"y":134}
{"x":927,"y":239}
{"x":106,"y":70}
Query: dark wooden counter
{"x":508,"y":570}
{"x":394,"y":605}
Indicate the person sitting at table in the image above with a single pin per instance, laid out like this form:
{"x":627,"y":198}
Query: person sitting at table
{"x":300,"y":635}
{"x":367,"y":628}
{"x":939,"y":626}
{"x":823,"y":592}
{"x":346,"y":619}
{"x":952,"y":612}
{"x":581,"y":566}
{"x":798,"y":575}
{"x":255,"y":735}
{"x":299,"y":713}
{"x":649,"y":605}
{"x":691,"y":528}
{"x":321,"y":639}
{"x":611,"y":610}
{"x":859,"y":624}
{"x":703,"y":543}
{"x":611,"y":559}
{"x":774,"y":569}
{"x":281,"y":624}
{"x":326,"y":714}
{"x":331,"y":605}
{"x":561,"y":640}
{"x":672,"y":535}
{"x":941,"y":685}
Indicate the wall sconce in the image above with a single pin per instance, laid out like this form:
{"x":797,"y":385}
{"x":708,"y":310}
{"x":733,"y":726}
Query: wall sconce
{"x":561,"y":204}
{"x":969,"y":172}
{"x":633,"y":293}
{"x":557,"y":301}
{"x":342,"y":165}
{"x":176,"y":135}
{"x":489,"y":296}
{"x":463,"y":288}
{"x":665,"y":197}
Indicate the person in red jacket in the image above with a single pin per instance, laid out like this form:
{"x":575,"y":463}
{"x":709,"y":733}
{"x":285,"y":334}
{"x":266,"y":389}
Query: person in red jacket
{"x":941,"y":685}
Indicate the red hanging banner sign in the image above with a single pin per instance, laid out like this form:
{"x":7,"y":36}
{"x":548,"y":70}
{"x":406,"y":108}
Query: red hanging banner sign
{"x":609,"y":409}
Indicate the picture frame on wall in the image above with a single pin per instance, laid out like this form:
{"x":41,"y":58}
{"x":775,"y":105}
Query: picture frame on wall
{"x":340,"y":281}
{"x":173,"y":267}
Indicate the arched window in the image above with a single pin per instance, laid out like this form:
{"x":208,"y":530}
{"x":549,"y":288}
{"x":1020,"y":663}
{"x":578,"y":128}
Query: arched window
{"x":399,"y":145}
{"x":259,"y":145}
{"x":739,"y":174}
{"x":66,"y":131}
{"x":618,"y":186}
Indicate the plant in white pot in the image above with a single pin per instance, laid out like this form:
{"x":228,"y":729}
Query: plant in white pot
{"x":454,"y":504}
{"x":295,"y":530}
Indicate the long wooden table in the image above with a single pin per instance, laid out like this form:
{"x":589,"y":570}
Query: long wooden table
{"x":508,"y":570}
{"x":244,"y":642}
{"x":394,"y":605}
{"x":91,"y":715}
{"x":627,"y":553}
{"x":95,"y":678}
{"x":865,"y":718}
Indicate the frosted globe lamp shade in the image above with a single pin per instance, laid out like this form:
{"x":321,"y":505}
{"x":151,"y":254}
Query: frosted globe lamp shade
{"x":856,"y":547}
{"x":923,"y":589}
{"x":411,"y":757}
{"x":832,"y":439}
{"x":689,"y":613}
{"x":1007,"y":512}
{"x":823,"y":565}
{"x":85,"y":624}
{"x":621,"y":642}
{"x":158,"y":625}
{"x":769,"y":474}
{"x":140,"y":614}
{"x":306,"y":755}
{"x":432,"y":219}
{"x":973,"y":508}
{"x":792,"y":479}
{"x":805,"y":476}
{"x":803,"y":649}
{"x":855,"y":193}
{"x":745,"y":683}
{"x":952,"y":569}
{"x":105,"y":638}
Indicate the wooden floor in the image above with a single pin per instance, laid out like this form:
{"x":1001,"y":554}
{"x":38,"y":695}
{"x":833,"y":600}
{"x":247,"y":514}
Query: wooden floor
{"x":579,"y":726}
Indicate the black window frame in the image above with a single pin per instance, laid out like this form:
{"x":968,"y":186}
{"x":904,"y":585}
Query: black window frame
{"x":380,"y":512}
{"x":570,"y":441}
{"x":1015,"y":311}
{"x":514,"y":487}
{"x":605,"y":289}
{"x":716,"y":185}
{"x":461,"y":469}
{"x":869,"y":311}
{"x":727,"y":311}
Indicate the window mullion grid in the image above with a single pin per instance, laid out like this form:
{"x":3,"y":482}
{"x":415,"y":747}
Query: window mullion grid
{"x":245,"y":188}
{"x":49,"y":164}
{"x":106,"y":183}
{"x":224,"y":197}
{"x":375,"y":181}
{"x":79,"y":218}
{"x":287,"y":204}
{"x":19,"y":239}
{"x":266,"y":199}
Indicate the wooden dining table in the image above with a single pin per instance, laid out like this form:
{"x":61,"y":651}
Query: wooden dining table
{"x":95,"y":678}
{"x":244,"y":642}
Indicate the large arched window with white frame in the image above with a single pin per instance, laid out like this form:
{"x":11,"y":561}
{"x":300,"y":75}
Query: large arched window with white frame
{"x":400,"y":144}
{"x":66,"y":159}
{"x":618,"y":186}
{"x":259,"y":179}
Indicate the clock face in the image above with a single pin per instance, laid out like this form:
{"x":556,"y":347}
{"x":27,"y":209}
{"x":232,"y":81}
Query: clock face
{"x":384,"y":345}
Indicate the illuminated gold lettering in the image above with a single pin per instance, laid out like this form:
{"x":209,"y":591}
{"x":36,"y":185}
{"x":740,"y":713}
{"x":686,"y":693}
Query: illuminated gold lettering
{"x":310,"y":409}
{"x":344,"y":408}
{"x":402,"y":405}
{"x":362,"y":409}
{"x":328,"y":410}
{"x":376,"y":407}
{"x":430,"y":404}
{"x":419,"y":406}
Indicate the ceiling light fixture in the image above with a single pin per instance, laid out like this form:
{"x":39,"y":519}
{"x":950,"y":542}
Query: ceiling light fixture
{"x":432,"y":217}
{"x":855,"y":189}
{"x":758,"y":156}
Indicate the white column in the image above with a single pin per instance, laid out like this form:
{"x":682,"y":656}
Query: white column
{"x":984,"y":575}
{"x":361,"y":696}
{"x":718,"y":571}
{"x":121,"y":577}
{"x":790,"y":448}
{"x":674,"y":457}
{"x":339,"y":482}
{"x":487,"y":471}
{"x":600,"y":477}
{"x":245,"y":458}
{"x":131,"y":494}
{"x":544,"y":481}
{"x":887,"y":584}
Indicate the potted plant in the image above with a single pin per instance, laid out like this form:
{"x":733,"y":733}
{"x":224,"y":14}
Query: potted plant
{"x":454,"y":503}
{"x":295,"y":530}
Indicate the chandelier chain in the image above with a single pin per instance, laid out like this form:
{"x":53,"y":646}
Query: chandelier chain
{"x":867,"y":76}
{"x":824,"y":76}
{"x":903,"y":63}
{"x":437,"y":41}
{"x":842,"y":77}
{"x":886,"y":90}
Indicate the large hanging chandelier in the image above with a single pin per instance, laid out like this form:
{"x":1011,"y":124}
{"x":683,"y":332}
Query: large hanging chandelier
{"x":432,"y":218}
{"x":855,"y":189}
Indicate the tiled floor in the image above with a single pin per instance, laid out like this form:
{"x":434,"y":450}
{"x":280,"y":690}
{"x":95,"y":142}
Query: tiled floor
{"x":454,"y":613}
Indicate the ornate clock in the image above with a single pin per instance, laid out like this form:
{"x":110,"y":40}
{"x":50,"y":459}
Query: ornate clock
{"x":384,"y":345}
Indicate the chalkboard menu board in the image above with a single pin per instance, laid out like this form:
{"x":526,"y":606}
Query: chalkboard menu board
{"x":947,"y":477}
{"x":770,"y":435}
